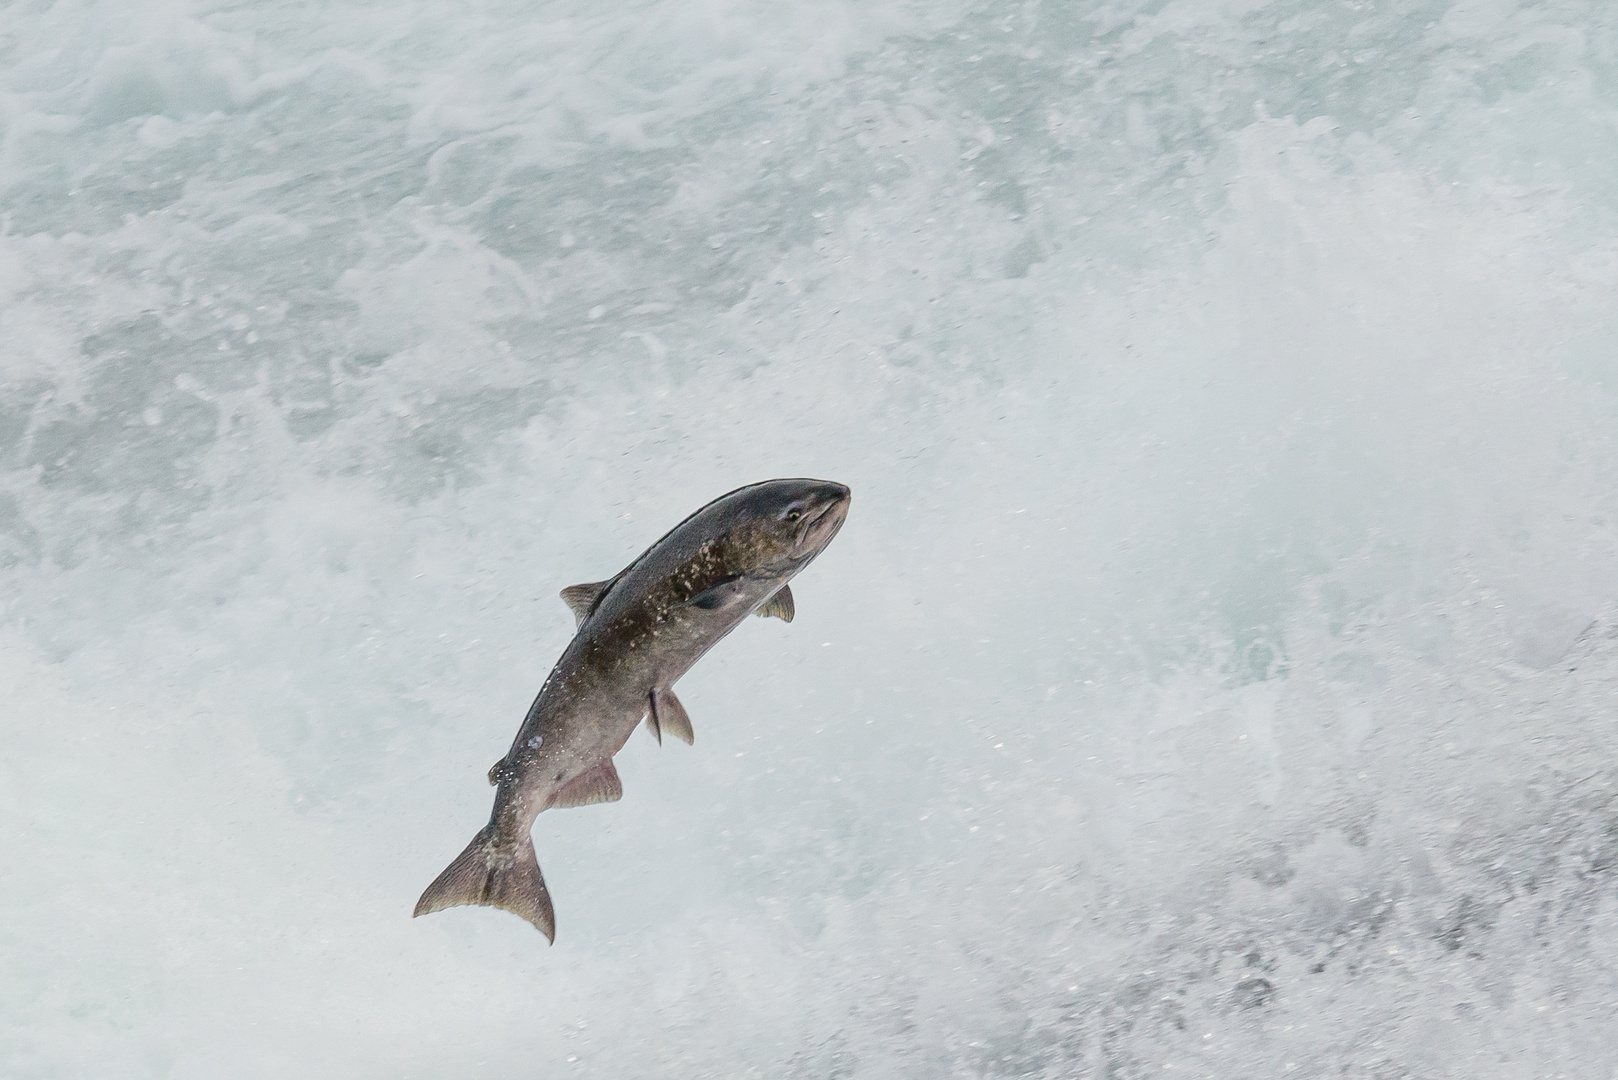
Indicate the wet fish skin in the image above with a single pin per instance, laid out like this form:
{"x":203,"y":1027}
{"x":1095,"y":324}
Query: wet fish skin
{"x":638,"y":633}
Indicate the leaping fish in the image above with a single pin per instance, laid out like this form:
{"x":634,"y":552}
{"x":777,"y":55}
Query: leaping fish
{"x":637,"y":634}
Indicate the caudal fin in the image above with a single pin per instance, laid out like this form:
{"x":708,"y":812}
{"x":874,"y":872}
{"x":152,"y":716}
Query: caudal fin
{"x":495,"y":874}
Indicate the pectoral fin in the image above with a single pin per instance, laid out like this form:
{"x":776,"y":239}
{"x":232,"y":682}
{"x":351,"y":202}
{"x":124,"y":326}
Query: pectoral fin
{"x":717,"y":596}
{"x":780,"y":605}
{"x":597,"y":785}
{"x":584,"y":598}
{"x":667,"y":714}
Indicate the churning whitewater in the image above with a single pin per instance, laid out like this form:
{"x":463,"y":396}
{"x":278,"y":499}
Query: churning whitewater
{"x":639,"y":631}
{"x":1217,"y":679}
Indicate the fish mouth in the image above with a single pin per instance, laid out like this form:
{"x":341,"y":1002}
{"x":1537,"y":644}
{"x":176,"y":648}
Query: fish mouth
{"x":822,"y":525}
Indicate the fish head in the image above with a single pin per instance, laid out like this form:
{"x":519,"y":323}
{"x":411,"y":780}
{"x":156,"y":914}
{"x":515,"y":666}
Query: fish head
{"x":783,"y":524}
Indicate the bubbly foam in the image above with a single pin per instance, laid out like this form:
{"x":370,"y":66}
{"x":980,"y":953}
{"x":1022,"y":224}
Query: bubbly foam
{"x":1214,"y":676}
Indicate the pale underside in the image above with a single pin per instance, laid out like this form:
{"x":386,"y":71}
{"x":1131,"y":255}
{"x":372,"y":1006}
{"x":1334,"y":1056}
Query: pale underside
{"x":664,"y":712}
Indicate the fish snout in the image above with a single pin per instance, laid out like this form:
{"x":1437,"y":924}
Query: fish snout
{"x":827,"y":518}
{"x":837,"y":509}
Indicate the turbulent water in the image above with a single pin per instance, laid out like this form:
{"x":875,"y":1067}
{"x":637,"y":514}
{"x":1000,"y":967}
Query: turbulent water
{"x":1216,"y":675}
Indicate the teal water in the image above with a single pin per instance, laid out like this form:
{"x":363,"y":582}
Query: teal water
{"x":1215,"y":676}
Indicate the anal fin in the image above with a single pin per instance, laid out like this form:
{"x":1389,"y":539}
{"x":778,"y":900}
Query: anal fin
{"x":667,"y":714}
{"x":596,"y":785}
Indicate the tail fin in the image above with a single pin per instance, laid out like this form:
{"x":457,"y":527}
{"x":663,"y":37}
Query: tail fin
{"x":502,"y":875}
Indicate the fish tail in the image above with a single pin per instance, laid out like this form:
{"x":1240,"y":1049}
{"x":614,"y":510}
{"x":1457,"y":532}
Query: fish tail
{"x":496,"y":873}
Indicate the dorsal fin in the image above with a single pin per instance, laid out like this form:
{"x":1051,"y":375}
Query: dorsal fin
{"x":584,"y":598}
{"x":780,"y":605}
{"x":596,"y":785}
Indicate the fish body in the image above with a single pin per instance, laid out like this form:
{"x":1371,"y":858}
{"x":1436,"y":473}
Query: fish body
{"x":638,"y":632}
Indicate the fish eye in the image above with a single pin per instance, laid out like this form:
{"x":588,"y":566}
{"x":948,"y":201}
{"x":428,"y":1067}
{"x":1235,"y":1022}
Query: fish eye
{"x":794,"y":514}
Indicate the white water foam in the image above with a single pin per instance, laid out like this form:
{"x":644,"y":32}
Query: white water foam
{"x":1214,"y":678}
